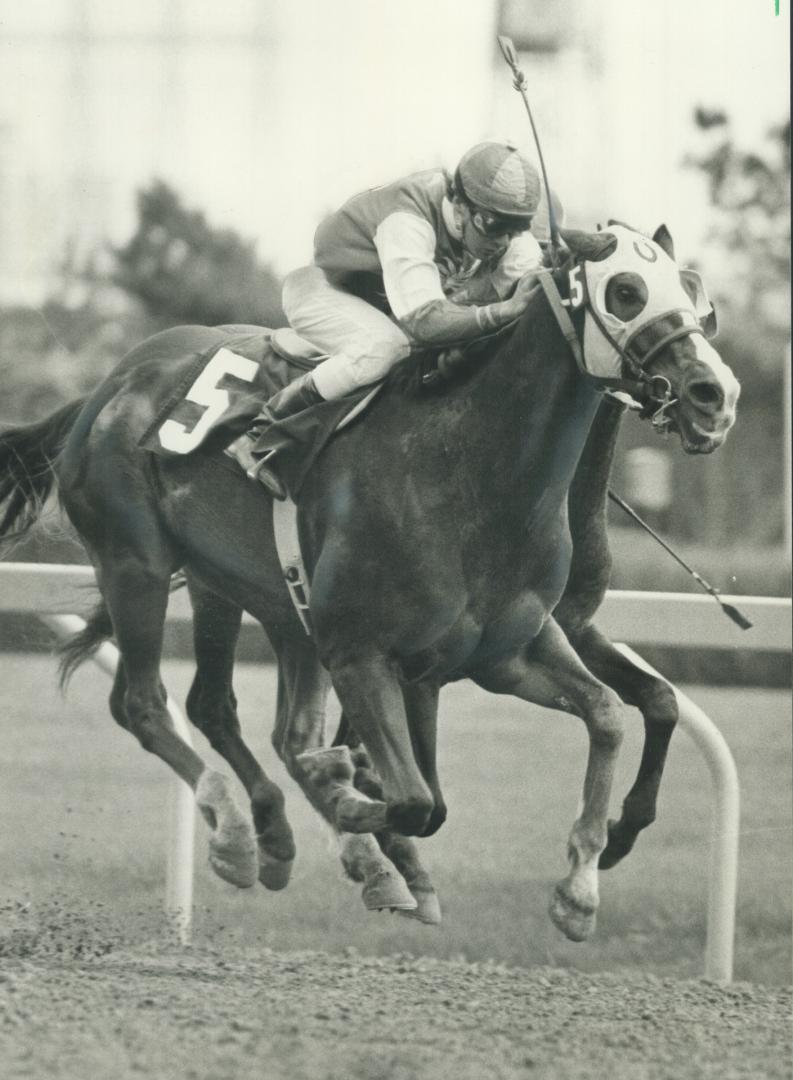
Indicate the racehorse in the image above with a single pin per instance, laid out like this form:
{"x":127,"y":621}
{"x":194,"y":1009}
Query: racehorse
{"x":449,"y":535}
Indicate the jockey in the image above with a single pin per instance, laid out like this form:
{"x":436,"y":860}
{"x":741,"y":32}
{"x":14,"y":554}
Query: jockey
{"x":426,"y":262}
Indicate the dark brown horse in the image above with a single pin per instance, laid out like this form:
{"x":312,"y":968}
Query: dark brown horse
{"x":453,"y":535}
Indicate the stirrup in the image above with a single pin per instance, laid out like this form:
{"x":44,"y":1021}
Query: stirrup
{"x":263,"y":472}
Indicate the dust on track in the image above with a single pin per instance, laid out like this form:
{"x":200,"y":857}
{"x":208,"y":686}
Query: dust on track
{"x":207,"y":1014}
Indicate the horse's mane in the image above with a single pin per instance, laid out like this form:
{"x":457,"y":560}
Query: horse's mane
{"x":407,"y":376}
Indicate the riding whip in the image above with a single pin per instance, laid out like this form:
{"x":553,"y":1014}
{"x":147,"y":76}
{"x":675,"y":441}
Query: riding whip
{"x":729,"y":610}
{"x":521,"y":85}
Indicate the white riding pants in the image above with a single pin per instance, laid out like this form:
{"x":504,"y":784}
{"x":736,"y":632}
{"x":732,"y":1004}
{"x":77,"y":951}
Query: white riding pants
{"x":363,"y":343}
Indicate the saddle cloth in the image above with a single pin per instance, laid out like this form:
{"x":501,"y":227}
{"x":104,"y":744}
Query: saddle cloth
{"x":217,"y":391}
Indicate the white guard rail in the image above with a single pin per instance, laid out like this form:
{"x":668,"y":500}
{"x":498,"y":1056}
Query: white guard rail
{"x":57,"y":593}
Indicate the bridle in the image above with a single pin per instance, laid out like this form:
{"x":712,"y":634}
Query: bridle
{"x":651,"y":394}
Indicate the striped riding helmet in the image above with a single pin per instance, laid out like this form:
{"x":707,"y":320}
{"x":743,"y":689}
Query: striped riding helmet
{"x":495,"y":176}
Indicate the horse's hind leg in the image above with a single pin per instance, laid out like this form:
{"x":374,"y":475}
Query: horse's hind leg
{"x":136,"y":593}
{"x":325,"y":774}
{"x":657,"y":702}
{"x":212,"y":707}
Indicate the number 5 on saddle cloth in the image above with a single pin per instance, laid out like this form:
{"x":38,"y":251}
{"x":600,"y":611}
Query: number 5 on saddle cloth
{"x":206,"y":394}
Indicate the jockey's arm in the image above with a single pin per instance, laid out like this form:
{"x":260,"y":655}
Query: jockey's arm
{"x":406,"y":248}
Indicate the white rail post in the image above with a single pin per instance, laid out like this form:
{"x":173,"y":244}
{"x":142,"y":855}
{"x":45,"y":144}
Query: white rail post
{"x":723,"y":880}
{"x":181,"y":833}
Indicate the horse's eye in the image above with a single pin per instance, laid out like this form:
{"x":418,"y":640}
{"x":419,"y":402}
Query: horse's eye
{"x":626,"y":293}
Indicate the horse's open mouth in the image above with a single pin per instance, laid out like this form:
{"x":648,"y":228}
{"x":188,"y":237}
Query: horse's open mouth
{"x":692,"y":438}
{"x":696,"y":441}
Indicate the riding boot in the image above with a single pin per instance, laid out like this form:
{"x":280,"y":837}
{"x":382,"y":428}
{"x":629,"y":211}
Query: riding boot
{"x":258,"y":460}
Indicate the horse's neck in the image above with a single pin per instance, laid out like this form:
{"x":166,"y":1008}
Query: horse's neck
{"x":533,"y":406}
{"x":587,"y":499}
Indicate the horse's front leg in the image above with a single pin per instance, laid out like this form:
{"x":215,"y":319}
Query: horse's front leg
{"x":421,"y":707}
{"x":549,"y":672}
{"x":326,"y":774}
{"x":401,"y":850}
{"x":371,"y":695}
{"x":656,"y":700}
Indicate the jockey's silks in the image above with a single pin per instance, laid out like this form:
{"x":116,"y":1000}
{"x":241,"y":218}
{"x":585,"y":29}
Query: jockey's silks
{"x":402,"y":229}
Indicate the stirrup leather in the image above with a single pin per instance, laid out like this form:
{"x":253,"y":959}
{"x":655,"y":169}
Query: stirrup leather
{"x":261,"y":462}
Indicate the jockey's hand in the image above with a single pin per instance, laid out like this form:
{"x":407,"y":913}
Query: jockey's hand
{"x":524,"y":290}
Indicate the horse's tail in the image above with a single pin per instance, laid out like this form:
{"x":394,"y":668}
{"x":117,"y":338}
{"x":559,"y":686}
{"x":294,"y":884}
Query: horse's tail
{"x":83,"y":645}
{"x":98,"y":628}
{"x":27,"y":478}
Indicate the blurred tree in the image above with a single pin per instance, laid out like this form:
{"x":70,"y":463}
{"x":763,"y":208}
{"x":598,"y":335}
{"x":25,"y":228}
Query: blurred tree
{"x":749,"y":238}
{"x":176,"y":268}
{"x":185,"y":271}
{"x":749,"y":235}
{"x":57,"y":352}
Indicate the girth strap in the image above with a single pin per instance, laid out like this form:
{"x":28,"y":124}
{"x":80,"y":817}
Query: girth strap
{"x":287,"y":543}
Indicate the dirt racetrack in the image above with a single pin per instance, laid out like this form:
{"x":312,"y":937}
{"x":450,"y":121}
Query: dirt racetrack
{"x":207,"y":1015}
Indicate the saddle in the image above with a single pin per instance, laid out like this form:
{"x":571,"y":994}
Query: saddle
{"x":214,"y":393}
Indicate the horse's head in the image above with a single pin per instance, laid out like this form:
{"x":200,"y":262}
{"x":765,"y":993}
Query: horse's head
{"x":647,"y":321}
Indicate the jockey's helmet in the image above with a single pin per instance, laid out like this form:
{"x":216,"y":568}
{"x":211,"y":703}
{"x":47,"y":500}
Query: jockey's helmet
{"x":496,"y":177}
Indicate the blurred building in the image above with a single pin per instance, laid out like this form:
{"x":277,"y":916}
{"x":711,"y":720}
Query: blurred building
{"x":266,"y":113}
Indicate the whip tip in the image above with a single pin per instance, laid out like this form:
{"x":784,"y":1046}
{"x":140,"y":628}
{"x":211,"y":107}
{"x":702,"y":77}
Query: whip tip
{"x":737,"y":616}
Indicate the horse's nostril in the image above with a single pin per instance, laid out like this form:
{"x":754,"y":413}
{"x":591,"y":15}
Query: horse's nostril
{"x":705,"y":394}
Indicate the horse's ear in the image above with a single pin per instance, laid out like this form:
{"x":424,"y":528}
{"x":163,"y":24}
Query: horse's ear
{"x":663,"y":238}
{"x":589,"y":246}
{"x":710,"y":324}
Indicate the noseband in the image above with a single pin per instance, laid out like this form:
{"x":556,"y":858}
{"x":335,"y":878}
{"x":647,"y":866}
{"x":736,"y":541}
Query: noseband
{"x":646,"y":343}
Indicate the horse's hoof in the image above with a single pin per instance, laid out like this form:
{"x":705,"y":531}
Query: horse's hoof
{"x":233,"y":854}
{"x":574,"y":919}
{"x":277,"y":844}
{"x":619,"y":845}
{"x":387,"y":889}
{"x":359,"y":815}
{"x":427,"y":909}
{"x":409,"y":817}
{"x":274,"y":874}
{"x":436,"y":819}
{"x":237,"y":866}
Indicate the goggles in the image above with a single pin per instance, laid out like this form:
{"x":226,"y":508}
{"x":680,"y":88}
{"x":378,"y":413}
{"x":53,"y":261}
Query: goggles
{"x":497,"y":226}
